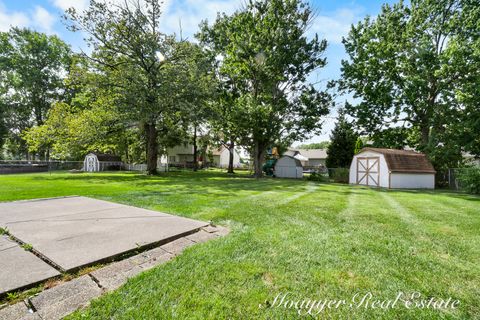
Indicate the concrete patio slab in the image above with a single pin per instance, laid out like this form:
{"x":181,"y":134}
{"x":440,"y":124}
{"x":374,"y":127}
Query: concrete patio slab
{"x":74,"y":232}
{"x":57,"y":302}
{"x":20,"y":268}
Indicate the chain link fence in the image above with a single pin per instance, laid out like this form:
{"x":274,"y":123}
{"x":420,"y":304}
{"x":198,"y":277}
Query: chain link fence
{"x":31,"y":166}
{"x":452,"y":178}
{"x":449,"y":178}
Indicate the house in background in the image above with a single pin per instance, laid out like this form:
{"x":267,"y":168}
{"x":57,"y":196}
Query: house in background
{"x":309,"y":158}
{"x":182,"y":155}
{"x":221,"y":158}
{"x":316,"y":157}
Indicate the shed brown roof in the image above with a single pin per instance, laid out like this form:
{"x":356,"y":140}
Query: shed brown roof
{"x":405,"y":161}
{"x":107,"y":157}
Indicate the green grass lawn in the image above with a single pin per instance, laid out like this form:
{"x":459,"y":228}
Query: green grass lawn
{"x":314,"y":241}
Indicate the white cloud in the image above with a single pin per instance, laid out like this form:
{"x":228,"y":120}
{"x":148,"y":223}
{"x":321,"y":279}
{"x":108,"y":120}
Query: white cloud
{"x":336,"y":25}
{"x":189,"y":13}
{"x":43,"y":20}
{"x":9,"y":19}
{"x":38,"y":18}
{"x":79,"y":5}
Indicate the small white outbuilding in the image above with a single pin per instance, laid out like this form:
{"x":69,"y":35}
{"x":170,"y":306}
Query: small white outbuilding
{"x":95,"y":162}
{"x":391,"y":168}
{"x":288,"y":167}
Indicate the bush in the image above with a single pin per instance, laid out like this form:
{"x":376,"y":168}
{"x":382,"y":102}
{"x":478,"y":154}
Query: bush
{"x":470,"y":180}
{"x":319,"y":177}
{"x":340,"y":175}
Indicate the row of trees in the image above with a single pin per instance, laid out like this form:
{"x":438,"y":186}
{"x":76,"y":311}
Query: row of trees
{"x":413,"y":72}
{"x":245,"y":82}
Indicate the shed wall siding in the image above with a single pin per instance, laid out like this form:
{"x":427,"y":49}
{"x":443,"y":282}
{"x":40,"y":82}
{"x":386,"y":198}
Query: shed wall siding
{"x":216,"y":160}
{"x":412,"y":181}
{"x":286,"y":167}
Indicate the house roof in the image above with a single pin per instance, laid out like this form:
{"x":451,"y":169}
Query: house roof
{"x":107,"y":157}
{"x":290,"y":153}
{"x":314,"y":153}
{"x":405,"y":161}
{"x":217,"y":152}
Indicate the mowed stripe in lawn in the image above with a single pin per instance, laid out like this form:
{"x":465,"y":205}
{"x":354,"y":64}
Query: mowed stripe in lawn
{"x":312,"y":240}
{"x":448,"y":242}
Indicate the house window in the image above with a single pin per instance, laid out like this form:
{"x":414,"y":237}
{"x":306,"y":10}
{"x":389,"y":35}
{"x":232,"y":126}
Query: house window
{"x":171,"y":159}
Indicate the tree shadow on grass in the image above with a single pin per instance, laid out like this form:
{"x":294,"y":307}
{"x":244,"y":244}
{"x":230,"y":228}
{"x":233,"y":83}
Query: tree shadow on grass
{"x":223,"y":184}
{"x":181,"y":182}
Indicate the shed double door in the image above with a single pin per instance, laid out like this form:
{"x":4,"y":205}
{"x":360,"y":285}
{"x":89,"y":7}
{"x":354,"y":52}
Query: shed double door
{"x":368,"y":171}
{"x":91,"y":164}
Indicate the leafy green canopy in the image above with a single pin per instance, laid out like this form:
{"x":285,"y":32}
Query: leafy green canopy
{"x":32,"y":69}
{"x":414,"y":69}
{"x":150,"y":71}
{"x":316,"y":145}
{"x":264,"y":48}
{"x":91,"y":121}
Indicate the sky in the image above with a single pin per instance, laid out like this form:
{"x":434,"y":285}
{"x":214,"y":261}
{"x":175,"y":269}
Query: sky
{"x":333,"y":21}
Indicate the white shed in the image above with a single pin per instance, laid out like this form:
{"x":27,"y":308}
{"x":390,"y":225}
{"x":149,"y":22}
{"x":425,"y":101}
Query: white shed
{"x":390,"y":168}
{"x":100,"y":162}
{"x":288,"y":167}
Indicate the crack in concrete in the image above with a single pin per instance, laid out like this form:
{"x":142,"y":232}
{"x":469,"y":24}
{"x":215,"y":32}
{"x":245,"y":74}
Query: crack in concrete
{"x":97,"y":282}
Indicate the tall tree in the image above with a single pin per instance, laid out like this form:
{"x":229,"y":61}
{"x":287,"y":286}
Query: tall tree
{"x":315,"y":145}
{"x":465,"y":52}
{"x":32,"y":69}
{"x":265,"y":48}
{"x":92,"y":121}
{"x":224,"y":120}
{"x":140,"y":60}
{"x":342,"y":144}
{"x":196,"y":94}
{"x":406,"y":65}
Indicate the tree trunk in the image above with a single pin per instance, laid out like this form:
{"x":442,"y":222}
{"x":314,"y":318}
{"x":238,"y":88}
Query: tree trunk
{"x":195,"y":149}
{"x":127,"y":156}
{"x":231,"y":150}
{"x":152,"y":148}
{"x":425,"y":135}
{"x":258,"y":157}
